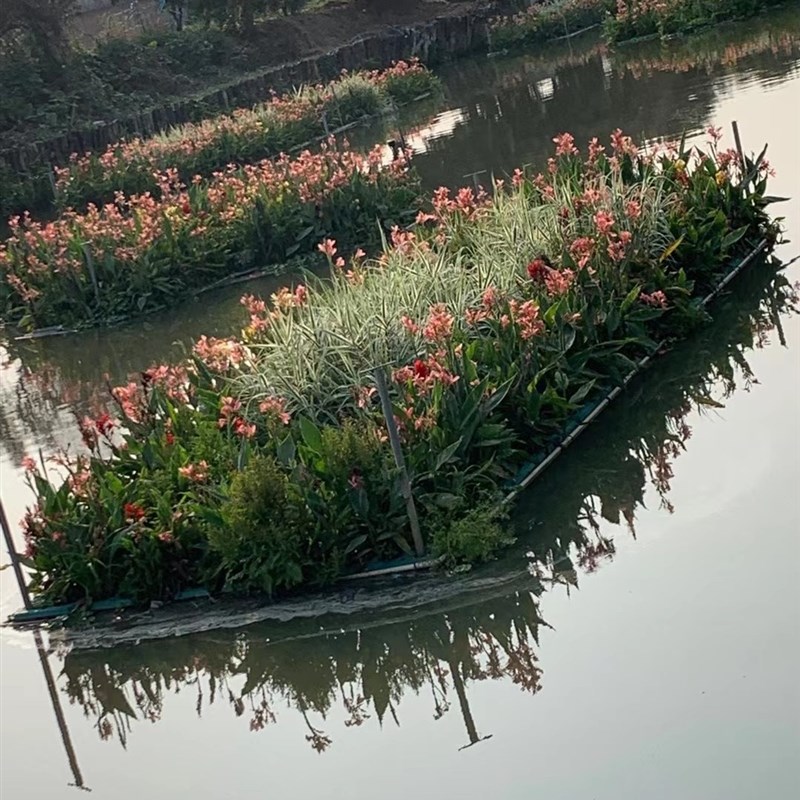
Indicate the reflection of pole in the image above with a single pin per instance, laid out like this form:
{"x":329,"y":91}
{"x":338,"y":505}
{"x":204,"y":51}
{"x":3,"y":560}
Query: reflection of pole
{"x":14,"y":556}
{"x":62,"y":723}
{"x":469,"y":722}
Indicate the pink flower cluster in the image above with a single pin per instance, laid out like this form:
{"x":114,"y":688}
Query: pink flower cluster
{"x":139,"y":229}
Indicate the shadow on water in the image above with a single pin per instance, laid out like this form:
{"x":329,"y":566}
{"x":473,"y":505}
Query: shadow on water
{"x":362,"y":667}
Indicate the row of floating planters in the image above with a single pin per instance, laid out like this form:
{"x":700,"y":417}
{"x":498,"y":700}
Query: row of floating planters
{"x":284,"y":123}
{"x":499,"y":323}
{"x":622,"y":20}
{"x":147,"y":251}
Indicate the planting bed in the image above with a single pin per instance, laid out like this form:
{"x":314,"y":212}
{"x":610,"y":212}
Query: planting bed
{"x":262,"y":464}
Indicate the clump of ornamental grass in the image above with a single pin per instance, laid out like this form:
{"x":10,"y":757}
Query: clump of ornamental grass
{"x":466,"y":246}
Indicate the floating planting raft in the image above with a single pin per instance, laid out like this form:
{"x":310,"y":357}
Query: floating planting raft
{"x":391,"y":409}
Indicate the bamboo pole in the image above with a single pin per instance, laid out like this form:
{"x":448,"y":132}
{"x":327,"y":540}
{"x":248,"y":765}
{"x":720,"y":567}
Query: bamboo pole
{"x":399,"y":458}
{"x":740,"y":150}
{"x":14,"y":556}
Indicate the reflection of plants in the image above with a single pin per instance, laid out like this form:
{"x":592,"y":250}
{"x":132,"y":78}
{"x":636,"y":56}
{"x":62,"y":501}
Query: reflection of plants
{"x":364,"y":672}
{"x":712,"y":49}
{"x":651,"y":430}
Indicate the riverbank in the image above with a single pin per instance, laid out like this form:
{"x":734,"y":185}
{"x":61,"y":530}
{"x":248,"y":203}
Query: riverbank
{"x":263,"y":463}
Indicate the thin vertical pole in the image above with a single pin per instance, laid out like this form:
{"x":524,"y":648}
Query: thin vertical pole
{"x":14,"y":556}
{"x":474,"y":176}
{"x":397,"y":450}
{"x":59,"y":712}
{"x":740,"y":150}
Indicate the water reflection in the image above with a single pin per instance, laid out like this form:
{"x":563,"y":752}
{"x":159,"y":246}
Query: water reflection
{"x":510,"y":109}
{"x":357,"y":672}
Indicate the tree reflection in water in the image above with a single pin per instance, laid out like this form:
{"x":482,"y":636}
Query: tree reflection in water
{"x":366,"y":671}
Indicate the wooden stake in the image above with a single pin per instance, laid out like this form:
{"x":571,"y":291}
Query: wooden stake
{"x":738,"y":140}
{"x":14,"y":556}
{"x":399,"y":459}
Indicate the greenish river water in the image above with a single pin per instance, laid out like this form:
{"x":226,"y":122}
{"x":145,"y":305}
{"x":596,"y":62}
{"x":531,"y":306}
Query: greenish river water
{"x":641,"y":639}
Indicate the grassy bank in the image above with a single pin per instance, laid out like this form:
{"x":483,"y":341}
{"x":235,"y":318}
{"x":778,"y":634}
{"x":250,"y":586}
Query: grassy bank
{"x":262,"y":464}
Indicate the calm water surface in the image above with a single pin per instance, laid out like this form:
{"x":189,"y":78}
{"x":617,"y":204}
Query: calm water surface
{"x":641,"y":640}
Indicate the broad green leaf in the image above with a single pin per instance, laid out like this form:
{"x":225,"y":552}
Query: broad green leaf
{"x":447,"y":454}
{"x":286,"y":451}
{"x":733,"y":237}
{"x":311,"y":435}
{"x":355,"y":542}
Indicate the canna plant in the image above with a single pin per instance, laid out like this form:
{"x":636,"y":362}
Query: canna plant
{"x":263,"y":464}
{"x":622,"y":20}
{"x":140,"y":253}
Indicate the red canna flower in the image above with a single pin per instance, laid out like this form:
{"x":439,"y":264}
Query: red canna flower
{"x":133,"y":512}
{"x":421,"y":369}
{"x":104,"y":424}
{"x":170,"y":438}
{"x":537,"y":269}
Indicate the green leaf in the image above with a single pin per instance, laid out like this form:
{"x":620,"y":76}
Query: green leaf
{"x":733,"y":237}
{"x":286,"y":451}
{"x":630,"y":298}
{"x":402,"y":543}
{"x":355,"y":542}
{"x":497,"y":397}
{"x":311,"y":434}
{"x":705,"y":400}
{"x":769,"y":199}
{"x":447,"y":454}
{"x":582,"y":393}
{"x":244,"y":455}
{"x":671,"y":249}
{"x":446,"y":500}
